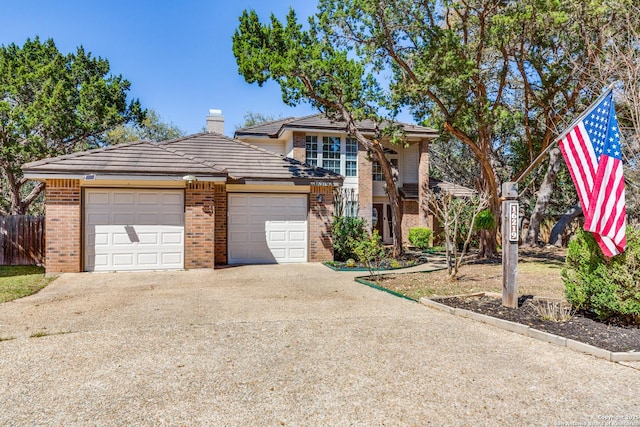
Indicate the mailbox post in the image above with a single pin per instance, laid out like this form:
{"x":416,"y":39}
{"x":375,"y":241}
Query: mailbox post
{"x":510,"y":237}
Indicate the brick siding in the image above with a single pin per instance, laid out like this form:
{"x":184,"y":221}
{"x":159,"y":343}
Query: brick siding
{"x":320,"y":216}
{"x":299,"y":147}
{"x":220,"y":248}
{"x":199,"y":225}
{"x":410,"y":218}
{"x":365,"y":185}
{"x":63,"y":226}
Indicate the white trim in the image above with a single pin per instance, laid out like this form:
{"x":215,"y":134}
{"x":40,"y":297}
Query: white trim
{"x":267,"y":187}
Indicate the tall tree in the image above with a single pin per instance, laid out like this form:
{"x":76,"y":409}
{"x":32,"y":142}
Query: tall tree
{"x":152,"y":128}
{"x":309,"y":68}
{"x":53,"y":104}
{"x":447,"y":67}
{"x":621,"y":64}
{"x":555,"y":47}
{"x":493,"y":74}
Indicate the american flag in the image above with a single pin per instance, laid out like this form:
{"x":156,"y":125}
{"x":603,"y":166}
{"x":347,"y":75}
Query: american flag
{"x":593,"y":154}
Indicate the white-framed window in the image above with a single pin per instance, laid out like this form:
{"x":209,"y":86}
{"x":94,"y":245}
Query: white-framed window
{"x":351,"y":157}
{"x":311,"y":150}
{"x":331,"y":148}
{"x":376,"y":170}
{"x":339,"y":155}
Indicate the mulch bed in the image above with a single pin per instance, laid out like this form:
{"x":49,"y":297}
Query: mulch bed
{"x":581,"y":327}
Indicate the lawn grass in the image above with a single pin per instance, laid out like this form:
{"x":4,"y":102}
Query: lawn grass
{"x":20,"y":281}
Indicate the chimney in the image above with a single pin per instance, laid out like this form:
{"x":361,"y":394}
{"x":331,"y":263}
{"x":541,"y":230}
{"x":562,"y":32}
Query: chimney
{"x":215,"y":121}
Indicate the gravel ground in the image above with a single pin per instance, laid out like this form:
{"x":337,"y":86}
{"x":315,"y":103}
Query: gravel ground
{"x":282,"y":345}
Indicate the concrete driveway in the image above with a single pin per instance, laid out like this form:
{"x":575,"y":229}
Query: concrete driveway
{"x":277,"y":345}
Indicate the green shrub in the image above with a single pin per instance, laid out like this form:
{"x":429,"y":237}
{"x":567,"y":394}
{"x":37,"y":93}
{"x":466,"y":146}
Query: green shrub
{"x":608,"y":287}
{"x":484,"y":220}
{"x":347,"y":231}
{"x":420,"y":237}
{"x":370,"y":252}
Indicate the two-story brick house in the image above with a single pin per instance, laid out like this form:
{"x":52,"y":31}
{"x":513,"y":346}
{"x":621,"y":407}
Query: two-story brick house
{"x":317,"y":141}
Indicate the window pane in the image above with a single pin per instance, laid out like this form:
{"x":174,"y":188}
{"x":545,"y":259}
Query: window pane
{"x":351,"y":157}
{"x":331,"y":153}
{"x":312,"y":150}
{"x":377,"y":172}
{"x":377,"y":169}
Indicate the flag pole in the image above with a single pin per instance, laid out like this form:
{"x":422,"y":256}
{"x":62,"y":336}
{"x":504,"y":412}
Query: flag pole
{"x":510,"y":216}
{"x":568,"y":129}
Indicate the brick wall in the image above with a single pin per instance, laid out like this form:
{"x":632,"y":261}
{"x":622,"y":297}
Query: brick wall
{"x":220,"y":191}
{"x":423,"y":182}
{"x":410,"y":218}
{"x":299,"y":147}
{"x":62,"y":226}
{"x":365,"y":185}
{"x":320,"y":215}
{"x":199,"y":225}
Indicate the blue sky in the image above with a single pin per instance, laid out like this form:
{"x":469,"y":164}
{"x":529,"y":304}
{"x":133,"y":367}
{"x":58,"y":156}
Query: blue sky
{"x":176,"y":54}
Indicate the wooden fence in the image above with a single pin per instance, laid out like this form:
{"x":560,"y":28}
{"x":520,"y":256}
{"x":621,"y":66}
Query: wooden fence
{"x":22,"y":240}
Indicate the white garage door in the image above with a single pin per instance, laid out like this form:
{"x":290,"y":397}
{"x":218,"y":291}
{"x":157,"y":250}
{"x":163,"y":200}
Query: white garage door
{"x":267,"y":228}
{"x":129,"y":230}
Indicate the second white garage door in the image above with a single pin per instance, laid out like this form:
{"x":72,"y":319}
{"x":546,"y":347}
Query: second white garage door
{"x":128,"y":230}
{"x":267,"y":228}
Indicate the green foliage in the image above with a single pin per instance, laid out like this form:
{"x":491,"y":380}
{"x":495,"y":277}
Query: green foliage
{"x":152,"y":128}
{"x":484,"y":220}
{"x":608,"y":287}
{"x":305,"y":64}
{"x":347,"y":232}
{"x":420,"y":237}
{"x":53,"y":104}
{"x":370,"y":252}
{"x":252,"y":118}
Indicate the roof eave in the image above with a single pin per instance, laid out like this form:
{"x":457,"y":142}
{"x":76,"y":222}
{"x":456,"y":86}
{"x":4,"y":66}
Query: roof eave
{"x":42,"y":176}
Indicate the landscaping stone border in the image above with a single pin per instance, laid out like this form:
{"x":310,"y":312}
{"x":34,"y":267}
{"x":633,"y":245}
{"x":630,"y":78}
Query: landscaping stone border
{"x":613,"y":356}
{"x":364,"y":269}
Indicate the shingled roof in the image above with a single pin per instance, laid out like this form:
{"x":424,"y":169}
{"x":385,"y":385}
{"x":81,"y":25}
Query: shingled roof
{"x":320,"y":122}
{"x":202,"y":155}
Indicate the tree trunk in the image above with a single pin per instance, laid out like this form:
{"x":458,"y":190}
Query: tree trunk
{"x":556,"y":232}
{"x":394,"y":199}
{"x":544,"y":195}
{"x":488,"y":238}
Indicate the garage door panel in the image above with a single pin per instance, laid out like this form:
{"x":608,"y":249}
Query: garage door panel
{"x":172,"y":258}
{"x":147,"y":259}
{"x":148,"y":199}
{"x":123,"y":259}
{"x":267,"y":228}
{"x":148,"y":238}
{"x":134,"y":229}
{"x":97,"y":218}
{"x":123,"y":198}
{"x":297,"y":236}
{"x":98,"y":198}
{"x":125,"y":218}
{"x":277,"y":236}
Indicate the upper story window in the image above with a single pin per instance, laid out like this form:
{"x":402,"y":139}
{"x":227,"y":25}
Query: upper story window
{"x":339,"y":155}
{"x":331,"y":147}
{"x":351,"y":157}
{"x":312,"y":150}
{"x":376,"y":170}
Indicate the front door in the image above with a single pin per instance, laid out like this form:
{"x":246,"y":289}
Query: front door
{"x":380,"y":224}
